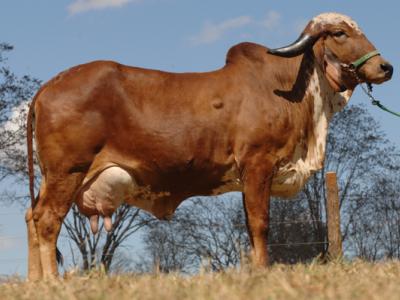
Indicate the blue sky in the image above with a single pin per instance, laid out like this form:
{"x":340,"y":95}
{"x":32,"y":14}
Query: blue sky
{"x":175,"y":35}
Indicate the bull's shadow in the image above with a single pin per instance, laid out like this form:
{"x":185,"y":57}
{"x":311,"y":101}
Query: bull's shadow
{"x":297,"y":93}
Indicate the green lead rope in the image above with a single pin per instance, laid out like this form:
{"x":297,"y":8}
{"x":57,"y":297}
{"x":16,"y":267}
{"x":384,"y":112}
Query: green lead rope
{"x":381,"y":106}
{"x":368,"y":92}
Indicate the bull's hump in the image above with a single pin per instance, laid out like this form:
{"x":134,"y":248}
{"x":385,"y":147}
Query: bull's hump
{"x":246,"y":51}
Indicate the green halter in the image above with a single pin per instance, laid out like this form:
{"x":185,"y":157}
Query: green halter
{"x":368,"y":89}
{"x":355,"y":64}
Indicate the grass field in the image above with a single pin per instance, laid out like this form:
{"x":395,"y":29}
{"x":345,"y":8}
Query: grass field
{"x":356,"y":280}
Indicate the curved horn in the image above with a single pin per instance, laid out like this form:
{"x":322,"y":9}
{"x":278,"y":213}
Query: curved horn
{"x":313,"y":31}
{"x":304,"y":42}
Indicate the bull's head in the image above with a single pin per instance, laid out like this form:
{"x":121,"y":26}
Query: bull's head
{"x":346,"y":56}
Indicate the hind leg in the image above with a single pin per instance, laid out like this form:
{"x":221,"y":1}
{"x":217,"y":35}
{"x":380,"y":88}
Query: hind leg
{"x":48,"y":215}
{"x":34,"y":263}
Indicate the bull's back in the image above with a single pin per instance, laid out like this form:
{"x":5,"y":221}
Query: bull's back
{"x":152,"y":121}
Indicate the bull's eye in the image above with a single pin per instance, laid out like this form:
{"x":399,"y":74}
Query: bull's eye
{"x":339,"y":34}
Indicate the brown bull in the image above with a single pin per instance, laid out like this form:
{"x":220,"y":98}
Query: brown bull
{"x":108,"y":133}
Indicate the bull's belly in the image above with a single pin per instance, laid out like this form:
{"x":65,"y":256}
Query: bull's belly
{"x":102,"y":194}
{"x":105,"y":192}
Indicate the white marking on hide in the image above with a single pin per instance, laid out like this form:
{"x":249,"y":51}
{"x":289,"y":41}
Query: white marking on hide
{"x":309,"y":155}
{"x":335,"y":18}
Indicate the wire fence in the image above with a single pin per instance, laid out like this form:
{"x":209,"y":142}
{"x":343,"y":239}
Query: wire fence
{"x":70,"y":257}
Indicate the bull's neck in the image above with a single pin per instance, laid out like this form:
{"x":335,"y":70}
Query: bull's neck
{"x":324,"y":100}
{"x":308,"y":150}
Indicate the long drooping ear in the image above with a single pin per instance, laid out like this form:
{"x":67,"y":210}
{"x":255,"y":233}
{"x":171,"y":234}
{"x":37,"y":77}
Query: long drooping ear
{"x":307,"y":39}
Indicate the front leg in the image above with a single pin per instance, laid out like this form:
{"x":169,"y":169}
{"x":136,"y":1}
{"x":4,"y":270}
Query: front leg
{"x":257,"y":179}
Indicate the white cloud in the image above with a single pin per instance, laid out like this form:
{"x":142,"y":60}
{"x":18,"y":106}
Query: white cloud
{"x":80,"y":6}
{"x":213,"y":32}
{"x":16,"y":117}
{"x":15,"y":126}
{"x":271,"y":20}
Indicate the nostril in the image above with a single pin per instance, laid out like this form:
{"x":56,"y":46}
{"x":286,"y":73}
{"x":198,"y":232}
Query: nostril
{"x":387,"y":68}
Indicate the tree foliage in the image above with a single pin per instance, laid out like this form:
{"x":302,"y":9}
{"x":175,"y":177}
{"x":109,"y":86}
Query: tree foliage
{"x":15,"y":92}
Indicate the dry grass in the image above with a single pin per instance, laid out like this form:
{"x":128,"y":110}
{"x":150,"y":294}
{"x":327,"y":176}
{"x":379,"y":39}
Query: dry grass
{"x":356,"y":280}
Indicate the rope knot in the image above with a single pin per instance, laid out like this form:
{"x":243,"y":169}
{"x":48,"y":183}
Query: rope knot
{"x":375,"y":102}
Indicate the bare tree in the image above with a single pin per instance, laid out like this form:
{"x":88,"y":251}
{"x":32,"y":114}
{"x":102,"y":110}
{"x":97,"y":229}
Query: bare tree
{"x":100,"y":249}
{"x":360,"y":154}
{"x":374,"y":231}
{"x":203,"y":231}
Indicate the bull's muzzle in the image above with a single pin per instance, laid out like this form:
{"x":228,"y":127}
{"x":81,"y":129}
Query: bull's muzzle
{"x":387,"y":68}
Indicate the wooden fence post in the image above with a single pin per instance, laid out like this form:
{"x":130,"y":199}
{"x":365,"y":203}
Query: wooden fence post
{"x":333,"y":217}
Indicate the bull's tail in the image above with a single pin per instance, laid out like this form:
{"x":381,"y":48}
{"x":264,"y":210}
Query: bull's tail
{"x":29,"y":143}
